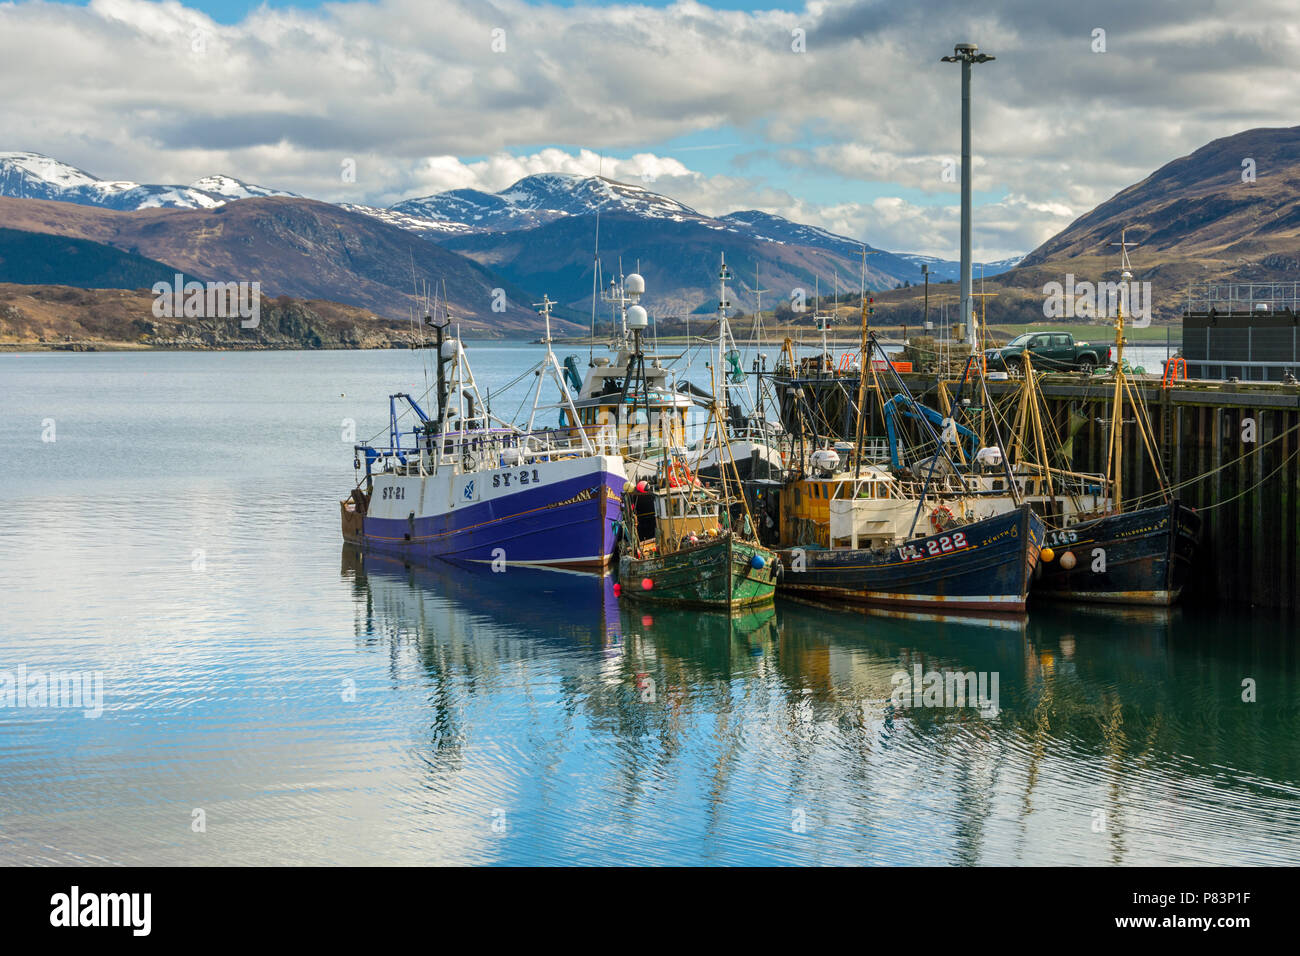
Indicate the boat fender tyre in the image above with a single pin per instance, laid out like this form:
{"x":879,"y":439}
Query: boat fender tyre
{"x":940,"y":517}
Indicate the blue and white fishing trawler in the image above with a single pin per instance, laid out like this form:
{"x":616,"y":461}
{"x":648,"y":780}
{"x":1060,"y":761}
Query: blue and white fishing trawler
{"x":463,"y":484}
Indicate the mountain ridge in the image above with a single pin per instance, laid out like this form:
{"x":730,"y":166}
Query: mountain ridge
{"x":295,"y":247}
{"x":1196,"y":220}
{"x":26,"y":175}
{"x":531,"y":202}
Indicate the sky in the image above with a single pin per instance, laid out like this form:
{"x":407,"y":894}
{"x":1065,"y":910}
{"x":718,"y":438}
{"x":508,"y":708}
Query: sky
{"x":837,"y":114}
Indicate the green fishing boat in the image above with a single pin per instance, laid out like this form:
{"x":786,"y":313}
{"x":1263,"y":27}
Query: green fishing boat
{"x":678,"y":547}
{"x":681,"y":542}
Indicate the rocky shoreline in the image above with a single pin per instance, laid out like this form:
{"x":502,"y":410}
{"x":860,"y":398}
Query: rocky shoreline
{"x":67,"y":319}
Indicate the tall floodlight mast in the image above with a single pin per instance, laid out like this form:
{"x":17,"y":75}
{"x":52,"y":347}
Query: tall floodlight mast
{"x":966,"y":54}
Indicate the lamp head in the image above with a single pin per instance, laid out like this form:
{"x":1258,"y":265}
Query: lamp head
{"x":966,"y":53}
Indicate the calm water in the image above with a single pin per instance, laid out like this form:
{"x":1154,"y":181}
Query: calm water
{"x":180,"y":536}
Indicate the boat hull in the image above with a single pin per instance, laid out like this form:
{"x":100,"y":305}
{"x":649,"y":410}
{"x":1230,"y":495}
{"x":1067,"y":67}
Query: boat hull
{"x":1137,"y":557}
{"x":982,"y":566}
{"x":555,"y":514}
{"x":713,"y":574}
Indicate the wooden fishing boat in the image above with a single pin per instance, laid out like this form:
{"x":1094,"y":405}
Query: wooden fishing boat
{"x":865,"y":539}
{"x":1112,"y":550}
{"x":1131,"y":557}
{"x":678,"y":546}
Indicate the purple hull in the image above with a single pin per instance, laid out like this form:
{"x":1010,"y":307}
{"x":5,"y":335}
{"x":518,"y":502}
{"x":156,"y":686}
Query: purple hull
{"x":568,"y":524}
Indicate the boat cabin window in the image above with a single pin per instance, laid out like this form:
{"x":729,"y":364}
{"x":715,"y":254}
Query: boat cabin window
{"x":680,"y":506}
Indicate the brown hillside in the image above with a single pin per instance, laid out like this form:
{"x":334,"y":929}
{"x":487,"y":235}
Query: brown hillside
{"x":33,"y":316}
{"x":295,"y":247}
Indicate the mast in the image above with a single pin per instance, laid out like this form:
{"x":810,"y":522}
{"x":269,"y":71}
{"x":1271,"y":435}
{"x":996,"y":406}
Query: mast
{"x":625,"y":296}
{"x":863,"y":362}
{"x":439,"y":337}
{"x":823,"y":324}
{"x":1115,"y":459}
{"x":757,"y":334}
{"x":724,"y":333}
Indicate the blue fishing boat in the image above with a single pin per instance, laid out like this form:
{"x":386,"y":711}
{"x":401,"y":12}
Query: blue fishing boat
{"x":462,"y":484}
{"x":984,"y":565}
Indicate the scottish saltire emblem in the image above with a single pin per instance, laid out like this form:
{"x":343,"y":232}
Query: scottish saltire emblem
{"x":469,"y":488}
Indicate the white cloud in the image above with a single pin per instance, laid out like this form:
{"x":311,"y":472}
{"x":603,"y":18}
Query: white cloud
{"x":161,"y":93}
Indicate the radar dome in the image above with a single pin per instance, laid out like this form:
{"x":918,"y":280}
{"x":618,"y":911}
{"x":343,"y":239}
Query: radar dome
{"x":636,"y":317}
{"x":634,"y":284}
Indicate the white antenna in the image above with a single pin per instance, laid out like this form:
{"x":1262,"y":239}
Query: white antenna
{"x":545,"y":305}
{"x":1124,"y":247}
{"x":757,"y":333}
{"x":724,"y":333}
{"x":623,"y":292}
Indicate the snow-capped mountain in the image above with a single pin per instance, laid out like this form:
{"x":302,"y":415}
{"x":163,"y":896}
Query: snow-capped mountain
{"x":491,"y":222}
{"x":232,"y":188}
{"x":577,"y":195}
{"x":536,"y":200}
{"x":35,"y":176}
{"x":472,"y":210}
{"x":422,"y":225}
{"x":942,"y":270}
{"x":772,"y":228}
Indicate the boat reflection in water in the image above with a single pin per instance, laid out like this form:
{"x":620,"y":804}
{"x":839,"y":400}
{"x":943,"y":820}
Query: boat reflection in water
{"x":641,"y":734}
{"x":570,"y":610}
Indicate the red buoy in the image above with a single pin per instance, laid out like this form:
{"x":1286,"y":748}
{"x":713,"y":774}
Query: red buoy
{"x":646,"y":584}
{"x":647,"y":621}
{"x":618,"y":589}
{"x":641,"y":487}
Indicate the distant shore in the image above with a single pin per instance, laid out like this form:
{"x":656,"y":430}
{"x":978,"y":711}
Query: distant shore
{"x":802,"y":336}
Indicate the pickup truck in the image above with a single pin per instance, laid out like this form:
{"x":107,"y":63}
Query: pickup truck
{"x":1050,"y":352}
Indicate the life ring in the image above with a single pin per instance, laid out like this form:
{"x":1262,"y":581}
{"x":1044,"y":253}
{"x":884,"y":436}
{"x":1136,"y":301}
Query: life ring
{"x":940,"y":517}
{"x":679,"y":474}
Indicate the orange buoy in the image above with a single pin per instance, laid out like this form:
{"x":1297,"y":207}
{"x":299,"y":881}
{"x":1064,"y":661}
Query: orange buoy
{"x":1047,"y":554}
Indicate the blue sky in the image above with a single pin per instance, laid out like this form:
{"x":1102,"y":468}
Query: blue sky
{"x":839,"y":115}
